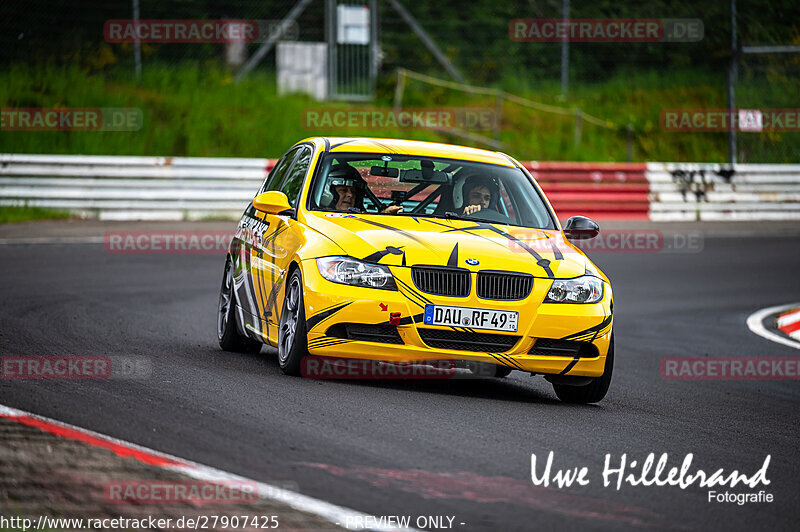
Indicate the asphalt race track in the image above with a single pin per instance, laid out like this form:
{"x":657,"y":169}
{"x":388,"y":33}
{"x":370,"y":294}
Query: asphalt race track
{"x":457,"y":448}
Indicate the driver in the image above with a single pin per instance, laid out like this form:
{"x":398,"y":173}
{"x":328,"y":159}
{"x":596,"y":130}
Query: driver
{"x":347,"y":187}
{"x":479,"y":191}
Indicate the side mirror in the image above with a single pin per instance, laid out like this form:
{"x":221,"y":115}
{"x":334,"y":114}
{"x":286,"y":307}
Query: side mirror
{"x":581,"y":228}
{"x":272,"y":202}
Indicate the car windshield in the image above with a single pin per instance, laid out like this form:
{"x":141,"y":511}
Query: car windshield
{"x":397,"y":185}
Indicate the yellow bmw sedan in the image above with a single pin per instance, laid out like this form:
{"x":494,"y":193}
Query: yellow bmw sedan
{"x":409,"y":253}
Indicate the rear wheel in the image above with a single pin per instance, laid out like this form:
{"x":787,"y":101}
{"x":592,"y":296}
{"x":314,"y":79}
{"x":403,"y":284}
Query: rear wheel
{"x":227,"y":328}
{"x":594,"y":391}
{"x":292,"y":339}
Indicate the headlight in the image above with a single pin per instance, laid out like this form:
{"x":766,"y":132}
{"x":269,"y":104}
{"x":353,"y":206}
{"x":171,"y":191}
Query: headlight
{"x":586,"y":289}
{"x":346,"y":270}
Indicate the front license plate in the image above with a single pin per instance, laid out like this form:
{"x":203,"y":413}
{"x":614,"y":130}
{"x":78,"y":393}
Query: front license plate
{"x":474,"y":318}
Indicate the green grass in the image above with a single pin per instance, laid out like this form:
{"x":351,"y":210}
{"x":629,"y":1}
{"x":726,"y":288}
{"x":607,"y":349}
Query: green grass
{"x":26,"y":214}
{"x":194,"y":110}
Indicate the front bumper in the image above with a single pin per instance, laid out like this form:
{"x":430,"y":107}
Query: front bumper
{"x":328,"y":305}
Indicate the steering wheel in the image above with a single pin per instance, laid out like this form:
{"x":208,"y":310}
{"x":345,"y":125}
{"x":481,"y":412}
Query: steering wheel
{"x":491,"y":215}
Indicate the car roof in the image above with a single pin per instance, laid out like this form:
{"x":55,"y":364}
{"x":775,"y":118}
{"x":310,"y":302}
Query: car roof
{"x":410,"y":147}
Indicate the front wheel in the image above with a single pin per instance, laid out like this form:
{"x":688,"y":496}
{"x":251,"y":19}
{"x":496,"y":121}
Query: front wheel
{"x":292,"y":338}
{"x":593,"y":392}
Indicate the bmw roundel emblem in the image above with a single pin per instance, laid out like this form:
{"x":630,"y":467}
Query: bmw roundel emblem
{"x":472,"y":262}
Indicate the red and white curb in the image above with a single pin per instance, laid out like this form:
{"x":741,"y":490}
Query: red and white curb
{"x":343,"y":517}
{"x":788,"y":322}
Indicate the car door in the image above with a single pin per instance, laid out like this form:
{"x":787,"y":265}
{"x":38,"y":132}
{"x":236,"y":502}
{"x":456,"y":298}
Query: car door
{"x":252,"y":225}
{"x":279,"y":239}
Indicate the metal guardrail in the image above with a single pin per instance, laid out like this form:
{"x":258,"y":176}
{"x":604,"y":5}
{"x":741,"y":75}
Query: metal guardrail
{"x":130,"y":188}
{"x":176,"y":188}
{"x":710,"y":192}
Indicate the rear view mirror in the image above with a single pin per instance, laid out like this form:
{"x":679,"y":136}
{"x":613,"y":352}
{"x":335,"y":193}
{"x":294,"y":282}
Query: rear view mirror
{"x":383,"y":171}
{"x":434,"y":177}
{"x":581,"y":228}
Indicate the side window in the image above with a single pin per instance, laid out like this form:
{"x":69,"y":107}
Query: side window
{"x":294,"y":179}
{"x":279,"y":171}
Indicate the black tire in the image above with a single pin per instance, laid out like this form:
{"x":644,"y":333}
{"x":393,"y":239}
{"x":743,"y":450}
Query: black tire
{"x":227,"y":328}
{"x":593,"y":392}
{"x":501,"y":371}
{"x":292,"y":335}
{"x":485,"y":369}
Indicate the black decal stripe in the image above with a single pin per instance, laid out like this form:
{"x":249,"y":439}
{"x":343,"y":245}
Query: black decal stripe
{"x":378,"y":255}
{"x":501,"y":361}
{"x":412,"y":300}
{"x":314,"y":320}
{"x":375,"y":257}
{"x":410,"y":295}
{"x":416,"y":318}
{"x":384,"y":146}
{"x":331,"y":344}
{"x":328,"y":343}
{"x":396,"y":230}
{"x":414,"y":293}
{"x":263,"y":299}
{"x":277,"y":283}
{"x":540,"y":261}
{"x":556,"y":252}
{"x":588,"y":332}
{"x":569,"y":366}
{"x":598,"y":331}
{"x":327,"y":339}
{"x":453,"y":260}
{"x":333,"y":147}
{"x":510,"y":360}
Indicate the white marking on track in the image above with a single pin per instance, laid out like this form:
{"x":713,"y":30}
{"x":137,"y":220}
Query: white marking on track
{"x":338,"y":515}
{"x":755,"y":325}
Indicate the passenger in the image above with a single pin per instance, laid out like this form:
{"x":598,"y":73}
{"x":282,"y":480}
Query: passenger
{"x":478,"y":194}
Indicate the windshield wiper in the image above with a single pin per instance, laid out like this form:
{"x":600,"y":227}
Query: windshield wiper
{"x":470,"y":218}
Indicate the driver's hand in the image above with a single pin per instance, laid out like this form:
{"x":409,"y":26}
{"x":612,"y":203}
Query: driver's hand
{"x":471,"y":209}
{"x":393,"y":209}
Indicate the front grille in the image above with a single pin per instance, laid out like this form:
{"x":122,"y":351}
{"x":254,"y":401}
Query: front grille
{"x":384,"y":333}
{"x":551,"y":347}
{"x":440,"y":281}
{"x":504,"y":285}
{"x":468,"y":341}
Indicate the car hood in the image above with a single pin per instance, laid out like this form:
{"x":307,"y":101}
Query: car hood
{"x":410,"y":241}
